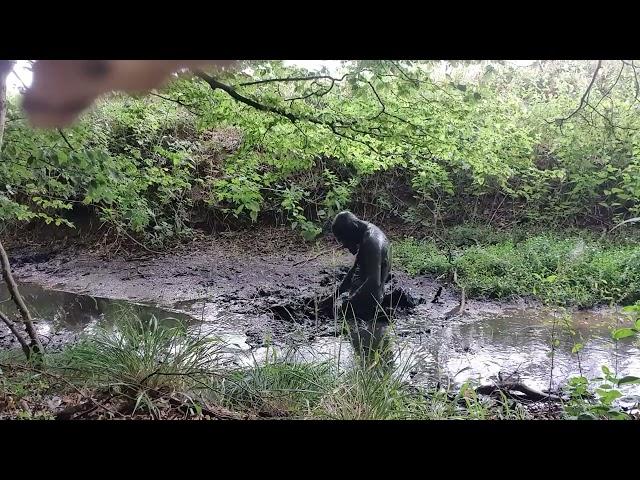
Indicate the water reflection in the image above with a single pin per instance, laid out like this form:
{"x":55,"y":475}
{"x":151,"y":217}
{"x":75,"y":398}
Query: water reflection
{"x":474,"y":347}
{"x":55,"y":310}
{"x":372,"y":342}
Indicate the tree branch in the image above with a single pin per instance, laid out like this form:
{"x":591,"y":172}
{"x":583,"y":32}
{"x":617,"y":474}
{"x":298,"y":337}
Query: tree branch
{"x":332,"y":125}
{"x":65,"y":139}
{"x":293,"y":79}
{"x":585,"y":96}
{"x":12,"y":326}
{"x":17,"y":298}
{"x":175,"y":100}
{"x":216,"y":85}
{"x":382,"y":105}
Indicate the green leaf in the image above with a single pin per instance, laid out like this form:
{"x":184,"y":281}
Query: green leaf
{"x":608,"y":396}
{"x":628,"y":380}
{"x":631,"y":309}
{"x":623,"y":333}
{"x":586,"y":416}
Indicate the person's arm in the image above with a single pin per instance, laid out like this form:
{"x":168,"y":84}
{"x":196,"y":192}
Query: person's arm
{"x":327,"y":302}
{"x":346,"y":282}
{"x":370,"y":257}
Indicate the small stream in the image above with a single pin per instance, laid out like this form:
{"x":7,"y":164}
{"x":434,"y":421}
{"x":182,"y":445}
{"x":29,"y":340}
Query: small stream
{"x":473,"y":347}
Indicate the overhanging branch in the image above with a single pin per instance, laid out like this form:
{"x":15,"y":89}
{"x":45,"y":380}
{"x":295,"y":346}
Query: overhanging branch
{"x":331,"y":125}
{"x":585,"y":96}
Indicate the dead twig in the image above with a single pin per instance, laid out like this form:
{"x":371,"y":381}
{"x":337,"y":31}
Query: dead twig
{"x":302,"y":262}
{"x":63,"y":380}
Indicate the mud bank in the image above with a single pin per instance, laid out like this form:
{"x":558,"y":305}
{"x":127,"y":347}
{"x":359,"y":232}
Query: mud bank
{"x":244,"y":287}
{"x":234,"y":280}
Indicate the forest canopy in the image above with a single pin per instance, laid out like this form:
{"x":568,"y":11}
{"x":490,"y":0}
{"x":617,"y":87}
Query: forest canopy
{"x":430,"y":143}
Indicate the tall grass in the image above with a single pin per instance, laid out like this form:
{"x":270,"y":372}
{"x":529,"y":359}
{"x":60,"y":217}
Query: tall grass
{"x":147,"y":363}
{"x":144,"y":359}
{"x":564,"y":271}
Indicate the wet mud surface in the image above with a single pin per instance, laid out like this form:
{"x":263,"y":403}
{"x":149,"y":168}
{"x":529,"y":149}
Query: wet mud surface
{"x":259,"y":290}
{"x":259,"y":285}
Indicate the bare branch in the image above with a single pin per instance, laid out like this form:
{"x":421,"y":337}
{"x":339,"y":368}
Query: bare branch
{"x":12,"y":326}
{"x":175,"y":100}
{"x":293,"y":79}
{"x":612,"y":86}
{"x":15,"y":74}
{"x":585,"y":96}
{"x":65,"y":139}
{"x":216,"y":85}
{"x":382,"y":106}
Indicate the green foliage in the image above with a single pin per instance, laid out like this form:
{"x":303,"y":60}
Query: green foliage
{"x":584,"y":405}
{"x":564,"y":271}
{"x":464,"y":141}
{"x":420,"y":258}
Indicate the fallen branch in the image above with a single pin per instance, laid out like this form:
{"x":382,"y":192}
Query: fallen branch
{"x":69,"y":411}
{"x":507,"y":387}
{"x":302,"y":262}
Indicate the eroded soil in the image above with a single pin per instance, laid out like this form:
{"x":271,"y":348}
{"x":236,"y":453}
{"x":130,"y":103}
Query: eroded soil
{"x":259,"y":282}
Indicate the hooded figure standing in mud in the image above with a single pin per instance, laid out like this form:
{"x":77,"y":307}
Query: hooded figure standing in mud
{"x":365,"y":281}
{"x":366,"y":278}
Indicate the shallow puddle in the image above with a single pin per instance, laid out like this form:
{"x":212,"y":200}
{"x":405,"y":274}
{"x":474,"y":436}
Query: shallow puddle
{"x":473,"y":347}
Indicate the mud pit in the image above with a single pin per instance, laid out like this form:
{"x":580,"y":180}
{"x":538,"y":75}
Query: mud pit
{"x":252,"y":293}
{"x":238,"y":282}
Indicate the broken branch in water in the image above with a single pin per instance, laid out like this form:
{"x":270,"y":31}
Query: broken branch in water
{"x":509,"y":387}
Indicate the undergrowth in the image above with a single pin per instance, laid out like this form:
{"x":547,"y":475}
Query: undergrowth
{"x":147,"y":364}
{"x":579,"y":270}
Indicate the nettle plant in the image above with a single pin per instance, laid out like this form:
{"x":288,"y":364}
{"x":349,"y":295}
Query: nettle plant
{"x":596,"y":398}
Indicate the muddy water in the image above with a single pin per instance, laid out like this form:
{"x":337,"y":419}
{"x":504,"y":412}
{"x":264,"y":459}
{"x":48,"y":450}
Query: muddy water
{"x":473,"y":347}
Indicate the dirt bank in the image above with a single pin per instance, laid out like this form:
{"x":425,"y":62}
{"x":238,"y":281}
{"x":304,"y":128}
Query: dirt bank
{"x":234,"y":279}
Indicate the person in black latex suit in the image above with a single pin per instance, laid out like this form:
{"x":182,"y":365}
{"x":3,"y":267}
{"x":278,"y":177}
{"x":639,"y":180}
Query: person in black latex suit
{"x":366,"y":278}
{"x":364,"y":282}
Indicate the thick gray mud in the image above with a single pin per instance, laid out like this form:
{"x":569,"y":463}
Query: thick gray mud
{"x":258,"y":291}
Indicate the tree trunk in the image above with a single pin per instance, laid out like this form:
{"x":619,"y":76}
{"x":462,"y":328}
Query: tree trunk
{"x":36,"y":346}
{"x":5,"y":68}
